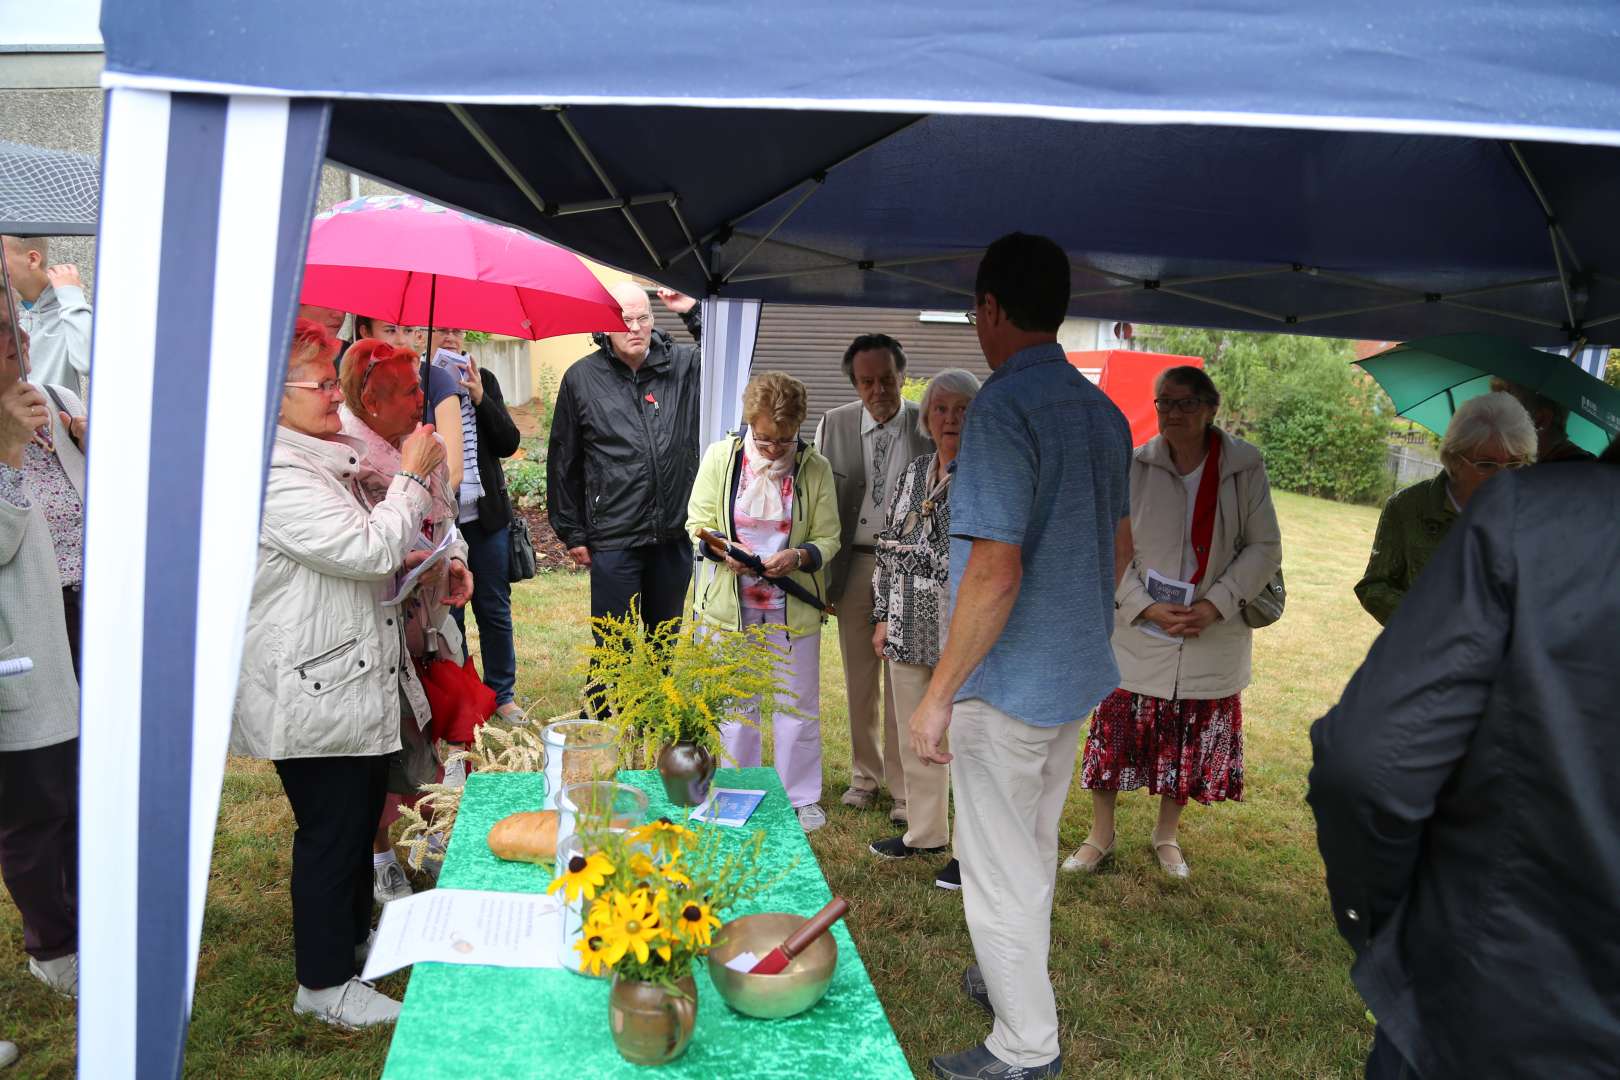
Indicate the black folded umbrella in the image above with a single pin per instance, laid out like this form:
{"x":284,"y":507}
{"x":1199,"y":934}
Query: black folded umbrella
{"x":757,"y":565}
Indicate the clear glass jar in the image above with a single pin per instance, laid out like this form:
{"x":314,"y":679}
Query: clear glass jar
{"x":578,"y":751}
{"x":596,"y":804}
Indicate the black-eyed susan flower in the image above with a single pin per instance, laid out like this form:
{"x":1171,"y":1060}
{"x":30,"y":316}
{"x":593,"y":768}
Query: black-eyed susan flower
{"x":593,"y":953}
{"x":674,"y":875}
{"x":634,"y":928}
{"x":664,"y":836}
{"x":582,"y":876}
{"x":696,"y":923}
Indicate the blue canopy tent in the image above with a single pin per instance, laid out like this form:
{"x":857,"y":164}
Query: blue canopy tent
{"x":1378,"y":170}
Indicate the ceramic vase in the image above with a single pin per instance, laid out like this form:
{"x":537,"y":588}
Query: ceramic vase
{"x":687,"y":770}
{"x":651,"y":1024}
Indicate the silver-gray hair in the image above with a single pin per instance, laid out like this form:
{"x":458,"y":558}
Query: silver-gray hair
{"x":950,"y":381}
{"x":1496,"y":417}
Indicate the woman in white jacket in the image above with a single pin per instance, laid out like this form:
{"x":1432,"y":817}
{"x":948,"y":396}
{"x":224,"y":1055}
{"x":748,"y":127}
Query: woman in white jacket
{"x":324,"y":666}
{"x":1201,"y":513}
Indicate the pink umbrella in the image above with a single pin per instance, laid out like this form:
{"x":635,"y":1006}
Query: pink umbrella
{"x":399,"y":258}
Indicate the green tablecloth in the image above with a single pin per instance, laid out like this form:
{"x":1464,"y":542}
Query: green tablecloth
{"x":491,"y":1023}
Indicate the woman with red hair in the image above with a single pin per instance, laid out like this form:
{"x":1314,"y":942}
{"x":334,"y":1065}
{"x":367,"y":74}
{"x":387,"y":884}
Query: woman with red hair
{"x":382,"y":403}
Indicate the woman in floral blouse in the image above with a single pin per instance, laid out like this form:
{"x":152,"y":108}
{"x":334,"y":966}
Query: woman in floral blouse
{"x":911,"y":590}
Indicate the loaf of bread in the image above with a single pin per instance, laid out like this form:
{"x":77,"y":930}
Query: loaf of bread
{"x":526,"y":837}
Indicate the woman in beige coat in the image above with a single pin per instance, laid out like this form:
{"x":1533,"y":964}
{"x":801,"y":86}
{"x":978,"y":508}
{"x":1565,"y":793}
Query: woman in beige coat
{"x":1200,"y":512}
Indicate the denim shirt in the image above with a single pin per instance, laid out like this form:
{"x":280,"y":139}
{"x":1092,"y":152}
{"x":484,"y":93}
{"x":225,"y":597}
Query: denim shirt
{"x":1045,"y":464}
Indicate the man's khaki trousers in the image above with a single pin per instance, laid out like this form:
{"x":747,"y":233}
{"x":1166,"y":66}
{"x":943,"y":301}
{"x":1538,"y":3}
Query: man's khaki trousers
{"x":870,"y":767}
{"x":1011,"y":781}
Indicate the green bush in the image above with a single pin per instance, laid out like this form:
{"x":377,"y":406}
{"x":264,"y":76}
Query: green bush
{"x":526,"y":482}
{"x":913,"y":390}
{"x":1330,"y":446}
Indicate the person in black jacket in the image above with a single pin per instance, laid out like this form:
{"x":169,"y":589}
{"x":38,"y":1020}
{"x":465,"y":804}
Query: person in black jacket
{"x":484,"y":525}
{"x":1466,"y":793}
{"x":622,"y":458}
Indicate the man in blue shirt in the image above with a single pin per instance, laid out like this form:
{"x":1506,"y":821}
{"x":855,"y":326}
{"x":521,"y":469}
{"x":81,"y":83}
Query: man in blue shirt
{"x":1041,"y":532}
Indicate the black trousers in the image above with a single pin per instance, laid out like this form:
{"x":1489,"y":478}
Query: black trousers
{"x":72,"y":600}
{"x":39,"y":844}
{"x":656,"y":573}
{"x":336,"y":802}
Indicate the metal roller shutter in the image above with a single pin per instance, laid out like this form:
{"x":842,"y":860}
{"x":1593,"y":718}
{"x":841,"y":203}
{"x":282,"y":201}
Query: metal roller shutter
{"x":808,"y":342}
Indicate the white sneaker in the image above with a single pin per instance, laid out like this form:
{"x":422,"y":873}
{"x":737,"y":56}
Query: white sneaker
{"x":61,"y":974}
{"x":388,"y":882}
{"x":455,"y":774}
{"x":362,"y":951}
{"x":812,"y":817}
{"x":352,"y":1006}
{"x":8,"y":1053}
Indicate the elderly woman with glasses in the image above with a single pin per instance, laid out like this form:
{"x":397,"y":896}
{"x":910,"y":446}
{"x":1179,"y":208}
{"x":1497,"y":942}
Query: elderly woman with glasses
{"x":1487,"y":435}
{"x":771,"y":494}
{"x":383,"y":400}
{"x":910,"y":608}
{"x":1201,"y":515}
{"x":324,"y":665}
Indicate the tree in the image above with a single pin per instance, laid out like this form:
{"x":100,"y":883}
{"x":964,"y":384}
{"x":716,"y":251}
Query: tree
{"x":1321,"y":423}
{"x":1254,"y":372}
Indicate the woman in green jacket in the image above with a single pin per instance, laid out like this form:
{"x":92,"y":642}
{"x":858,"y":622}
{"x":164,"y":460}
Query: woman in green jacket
{"x":772,"y":495}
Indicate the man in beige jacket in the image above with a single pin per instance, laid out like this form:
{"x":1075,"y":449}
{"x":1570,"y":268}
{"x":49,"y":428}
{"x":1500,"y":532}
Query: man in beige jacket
{"x":869,"y":443}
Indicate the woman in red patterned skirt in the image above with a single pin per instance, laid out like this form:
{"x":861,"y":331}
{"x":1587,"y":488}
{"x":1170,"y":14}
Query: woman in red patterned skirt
{"x":1202,"y":520}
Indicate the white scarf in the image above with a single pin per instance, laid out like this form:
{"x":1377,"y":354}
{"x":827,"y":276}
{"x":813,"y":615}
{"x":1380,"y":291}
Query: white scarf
{"x":760,"y":496}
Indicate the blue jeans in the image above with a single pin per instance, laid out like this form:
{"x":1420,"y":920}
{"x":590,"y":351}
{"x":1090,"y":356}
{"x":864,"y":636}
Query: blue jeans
{"x":488,"y":552}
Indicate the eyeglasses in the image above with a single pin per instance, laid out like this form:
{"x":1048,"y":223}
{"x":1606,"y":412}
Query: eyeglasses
{"x":1491,"y":468}
{"x":636,"y":322}
{"x":326,"y":386}
{"x":775,"y":444}
{"x":1186,"y":404}
{"x":973,"y":318}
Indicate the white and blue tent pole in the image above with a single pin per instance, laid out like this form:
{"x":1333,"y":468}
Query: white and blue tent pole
{"x":206,"y":211}
{"x":1593,"y":359}
{"x":730,"y":330}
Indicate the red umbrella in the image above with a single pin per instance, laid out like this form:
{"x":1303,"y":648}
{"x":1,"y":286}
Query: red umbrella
{"x":413,"y":263}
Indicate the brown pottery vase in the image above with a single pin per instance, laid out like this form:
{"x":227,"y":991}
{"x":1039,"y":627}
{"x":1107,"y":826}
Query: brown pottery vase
{"x":686,"y":769}
{"x":651,"y":1024}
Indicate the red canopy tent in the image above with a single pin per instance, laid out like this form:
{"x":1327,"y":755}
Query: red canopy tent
{"x":1127,"y":379}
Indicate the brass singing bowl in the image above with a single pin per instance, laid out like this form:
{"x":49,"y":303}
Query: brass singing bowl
{"x":771,"y":997}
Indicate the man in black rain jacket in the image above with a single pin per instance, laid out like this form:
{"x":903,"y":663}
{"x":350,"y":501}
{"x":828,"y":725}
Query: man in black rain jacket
{"x":622,"y":457}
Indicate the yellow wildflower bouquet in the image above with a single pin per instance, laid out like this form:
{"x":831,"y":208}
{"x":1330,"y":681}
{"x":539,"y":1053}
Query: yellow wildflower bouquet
{"x":654,"y":896}
{"x":672,"y":685}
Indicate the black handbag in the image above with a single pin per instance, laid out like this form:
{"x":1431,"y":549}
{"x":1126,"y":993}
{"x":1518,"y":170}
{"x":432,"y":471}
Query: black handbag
{"x":520,"y":552}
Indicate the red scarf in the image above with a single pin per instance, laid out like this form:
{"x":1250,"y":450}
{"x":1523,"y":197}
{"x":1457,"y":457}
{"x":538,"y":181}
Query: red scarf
{"x":1203,"y":522}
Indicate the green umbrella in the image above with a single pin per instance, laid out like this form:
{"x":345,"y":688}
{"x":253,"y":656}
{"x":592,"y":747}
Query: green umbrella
{"x":1428,"y":378}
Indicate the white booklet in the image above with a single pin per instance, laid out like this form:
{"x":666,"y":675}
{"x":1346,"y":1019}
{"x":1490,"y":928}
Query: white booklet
{"x":453,"y":362}
{"x":467,"y":926}
{"x":1166,"y":591}
{"x":408,"y":582}
{"x":728,"y":806}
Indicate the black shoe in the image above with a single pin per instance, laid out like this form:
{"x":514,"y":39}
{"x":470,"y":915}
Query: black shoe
{"x":974,"y":987}
{"x":950,"y":876}
{"x":895,"y":847}
{"x":980,"y":1064}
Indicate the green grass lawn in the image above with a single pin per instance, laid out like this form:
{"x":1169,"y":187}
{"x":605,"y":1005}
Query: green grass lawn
{"x":1235,"y":972}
